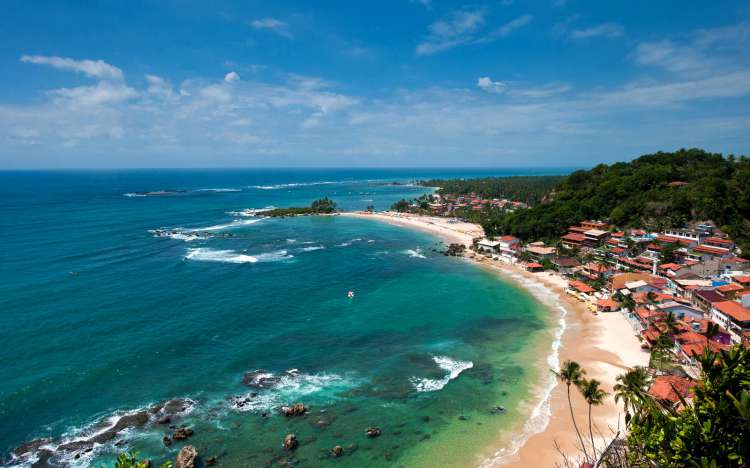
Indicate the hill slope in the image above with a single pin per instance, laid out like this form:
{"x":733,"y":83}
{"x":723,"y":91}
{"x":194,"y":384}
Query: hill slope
{"x":656,"y":190}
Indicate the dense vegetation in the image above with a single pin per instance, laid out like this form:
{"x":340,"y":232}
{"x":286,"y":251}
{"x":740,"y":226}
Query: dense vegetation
{"x":711,"y":431}
{"x":657,"y":191}
{"x":322,"y":206}
{"x":528,"y":189}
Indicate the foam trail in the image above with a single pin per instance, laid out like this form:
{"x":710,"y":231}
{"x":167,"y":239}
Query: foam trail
{"x":219,"y":190}
{"x":454,"y":368}
{"x":312,"y":248}
{"x":250,"y":212}
{"x":414,"y":253}
{"x":204,"y":254}
{"x":233,"y":224}
{"x":541,"y":413}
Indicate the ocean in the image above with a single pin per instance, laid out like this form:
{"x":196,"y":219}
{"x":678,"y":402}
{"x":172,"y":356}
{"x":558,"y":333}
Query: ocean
{"x":123,"y":289}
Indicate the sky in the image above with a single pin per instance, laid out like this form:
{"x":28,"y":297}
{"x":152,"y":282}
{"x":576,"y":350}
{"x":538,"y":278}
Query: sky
{"x":501,"y":83}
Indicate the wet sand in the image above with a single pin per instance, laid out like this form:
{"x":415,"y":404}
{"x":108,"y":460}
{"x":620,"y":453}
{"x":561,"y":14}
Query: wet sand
{"x":605,"y":345}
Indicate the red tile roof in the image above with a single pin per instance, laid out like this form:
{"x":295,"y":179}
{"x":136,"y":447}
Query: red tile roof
{"x":671,"y":387}
{"x":718,"y":240}
{"x":734,"y":310}
{"x":731,"y":287}
{"x":608,"y":304}
{"x":573,"y":237}
{"x":710,"y":250}
{"x":581,"y":287}
{"x":744,"y":279}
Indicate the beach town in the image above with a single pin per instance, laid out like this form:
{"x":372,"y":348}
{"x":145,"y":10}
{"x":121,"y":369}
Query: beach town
{"x":632,"y":298}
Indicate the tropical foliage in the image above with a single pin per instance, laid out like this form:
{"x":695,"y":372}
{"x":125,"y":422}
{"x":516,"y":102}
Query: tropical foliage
{"x":528,"y":189}
{"x":322,"y":206}
{"x":657,"y":191}
{"x":712,"y":430}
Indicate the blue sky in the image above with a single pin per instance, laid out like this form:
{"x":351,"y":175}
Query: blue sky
{"x":354,"y":83}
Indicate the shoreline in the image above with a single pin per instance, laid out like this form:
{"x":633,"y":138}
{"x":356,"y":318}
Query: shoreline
{"x":604,"y":344}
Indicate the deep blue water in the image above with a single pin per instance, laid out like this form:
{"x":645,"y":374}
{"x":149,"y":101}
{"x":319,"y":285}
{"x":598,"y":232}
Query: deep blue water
{"x":99,"y":315}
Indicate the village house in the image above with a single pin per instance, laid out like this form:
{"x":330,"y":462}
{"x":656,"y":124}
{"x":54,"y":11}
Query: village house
{"x":507,"y":248}
{"x":705,"y":299}
{"x":733,"y":317}
{"x":539,"y":251}
{"x":566,"y":265}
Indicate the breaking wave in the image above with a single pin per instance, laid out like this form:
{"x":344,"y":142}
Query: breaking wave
{"x":348,"y":243}
{"x":288,"y":388}
{"x":233,"y":224}
{"x":250,"y":212}
{"x":204,"y":254}
{"x":414,"y":253}
{"x":454,"y":368}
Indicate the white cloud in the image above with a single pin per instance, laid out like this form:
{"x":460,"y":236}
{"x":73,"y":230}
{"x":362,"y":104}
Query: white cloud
{"x":274,"y":25}
{"x":707,"y":51}
{"x":456,"y":30}
{"x":102,"y":93}
{"x":602,"y":30}
{"x":507,"y":28}
{"x":490,"y":86}
{"x":231,"y":77}
{"x":90,"y":68}
{"x":463,"y":28}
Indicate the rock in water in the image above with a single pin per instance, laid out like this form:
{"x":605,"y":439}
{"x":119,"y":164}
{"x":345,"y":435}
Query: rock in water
{"x":298,"y":409}
{"x":186,"y":457}
{"x":182,"y":433}
{"x":337,"y":451}
{"x":373,"y":432}
{"x":290,"y":442}
{"x":260,"y":379}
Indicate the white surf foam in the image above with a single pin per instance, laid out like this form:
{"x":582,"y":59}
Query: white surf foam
{"x":219,"y":190}
{"x":133,"y":195}
{"x":292,"y":386}
{"x":541,"y":412}
{"x":233,"y":224}
{"x":414,"y":253}
{"x":204,"y":254}
{"x":177,"y":235}
{"x":348,"y":243}
{"x":312,"y":248}
{"x":250,"y":212}
{"x":291,"y":185}
{"x":454,"y":368}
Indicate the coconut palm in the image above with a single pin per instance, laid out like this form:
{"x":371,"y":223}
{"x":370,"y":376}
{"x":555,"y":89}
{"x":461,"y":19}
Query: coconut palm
{"x":711,"y":330}
{"x":671,"y":323}
{"x":594,"y":396}
{"x":571,"y":373}
{"x":631,"y":389}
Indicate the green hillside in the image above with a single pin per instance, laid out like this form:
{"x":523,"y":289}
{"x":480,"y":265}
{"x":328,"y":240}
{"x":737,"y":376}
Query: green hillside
{"x":656,"y":190}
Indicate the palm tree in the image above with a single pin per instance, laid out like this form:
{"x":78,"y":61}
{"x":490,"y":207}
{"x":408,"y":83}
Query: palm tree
{"x":628,"y":303}
{"x":671,"y":323}
{"x":711,"y":330}
{"x":571,"y":373}
{"x":631,"y":389}
{"x":594,"y":396}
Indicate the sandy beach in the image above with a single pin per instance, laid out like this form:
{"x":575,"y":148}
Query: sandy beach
{"x":605,"y":345}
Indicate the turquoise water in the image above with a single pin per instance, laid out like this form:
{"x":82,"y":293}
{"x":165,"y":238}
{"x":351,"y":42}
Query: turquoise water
{"x":111,"y":302}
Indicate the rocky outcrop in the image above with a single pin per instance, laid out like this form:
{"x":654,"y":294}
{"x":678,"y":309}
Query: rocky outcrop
{"x":103,"y":432}
{"x":373,"y":432}
{"x":337,"y":451}
{"x":260,"y":379}
{"x":297,"y":409}
{"x":291,"y":442}
{"x":182,"y":433}
{"x":187,"y":457}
